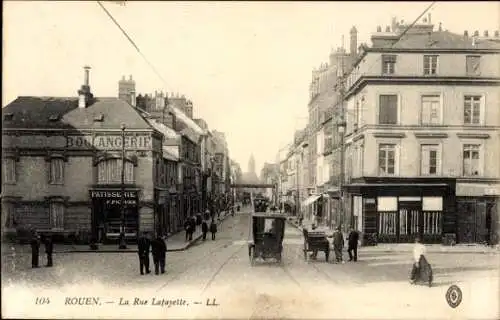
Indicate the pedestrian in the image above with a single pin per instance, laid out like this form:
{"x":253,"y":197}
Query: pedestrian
{"x":421,"y":269}
{"x":213,"y":229}
{"x":204,"y":229}
{"x":192,"y":221}
{"x":35,"y":249}
{"x":338,"y":244}
{"x":159,"y":249}
{"x":143,"y":246}
{"x":206,"y":215}
{"x":49,"y":247}
{"x":352,"y":245}
{"x":187,"y":227}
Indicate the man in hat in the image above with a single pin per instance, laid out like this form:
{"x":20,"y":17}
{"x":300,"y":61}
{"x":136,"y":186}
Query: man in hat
{"x":143,"y":246}
{"x":352,"y":245}
{"x":159,"y":249}
{"x":35,"y":249}
{"x":338,"y":244}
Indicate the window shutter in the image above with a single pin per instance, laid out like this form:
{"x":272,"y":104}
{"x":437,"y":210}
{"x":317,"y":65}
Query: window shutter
{"x":425,"y":160}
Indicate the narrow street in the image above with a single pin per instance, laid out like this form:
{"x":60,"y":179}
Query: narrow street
{"x":219,"y":271}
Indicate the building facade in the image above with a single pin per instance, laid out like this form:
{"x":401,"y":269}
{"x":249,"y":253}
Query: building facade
{"x":426,"y":107}
{"x":62,"y":163}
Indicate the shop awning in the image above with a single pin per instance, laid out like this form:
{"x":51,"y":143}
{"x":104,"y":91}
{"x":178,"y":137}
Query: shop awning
{"x":310,"y":200}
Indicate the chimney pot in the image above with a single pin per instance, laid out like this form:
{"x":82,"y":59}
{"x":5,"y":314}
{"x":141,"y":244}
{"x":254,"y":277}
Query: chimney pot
{"x":379,"y":29}
{"x":466,"y":33}
{"x":130,"y":77}
{"x":476,"y":33}
{"x":486,"y":33}
{"x":387,"y":29}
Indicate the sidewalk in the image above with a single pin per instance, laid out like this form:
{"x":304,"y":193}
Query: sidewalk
{"x":176,"y":242}
{"x":434,"y":248}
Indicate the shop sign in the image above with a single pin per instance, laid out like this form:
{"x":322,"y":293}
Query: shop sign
{"x":115,"y":197}
{"x":109,"y":142}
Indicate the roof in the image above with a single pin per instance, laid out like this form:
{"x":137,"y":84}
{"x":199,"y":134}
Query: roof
{"x":435,"y":40}
{"x":169,"y":133}
{"x":188,"y":121}
{"x":63,"y":113}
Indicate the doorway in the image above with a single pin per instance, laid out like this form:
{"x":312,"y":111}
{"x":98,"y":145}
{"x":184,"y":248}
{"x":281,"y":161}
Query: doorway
{"x":409,"y":221}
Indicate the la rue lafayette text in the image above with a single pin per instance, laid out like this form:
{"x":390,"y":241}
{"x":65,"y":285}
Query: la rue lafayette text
{"x":160,"y":302}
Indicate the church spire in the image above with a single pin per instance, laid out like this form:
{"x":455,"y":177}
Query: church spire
{"x":251,"y":164}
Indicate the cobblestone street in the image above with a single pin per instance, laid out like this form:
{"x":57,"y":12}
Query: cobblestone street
{"x":221,"y":270}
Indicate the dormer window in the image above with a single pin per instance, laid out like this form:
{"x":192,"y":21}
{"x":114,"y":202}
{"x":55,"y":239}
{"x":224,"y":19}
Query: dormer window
{"x":8,"y":116}
{"x":54,"y":117}
{"x":99,"y":118}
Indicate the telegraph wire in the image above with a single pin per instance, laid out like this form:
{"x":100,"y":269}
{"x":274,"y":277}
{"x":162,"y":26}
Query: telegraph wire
{"x":131,"y":41}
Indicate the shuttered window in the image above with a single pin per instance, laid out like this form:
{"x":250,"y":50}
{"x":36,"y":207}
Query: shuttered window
{"x":56,"y":171}
{"x":431,"y":110}
{"x":387,"y":158}
{"x":472,"y":109}
{"x":430,"y":64}
{"x":388,"y":64}
{"x":388,"y":109}
{"x":471,"y":160}
{"x":473,"y":64}
{"x":9,"y":170}
{"x":57,"y":215}
{"x":430,"y":159}
{"x":110,"y":170}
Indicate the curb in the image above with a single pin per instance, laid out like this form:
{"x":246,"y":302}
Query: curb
{"x":185,"y":247}
{"x":370,"y":249}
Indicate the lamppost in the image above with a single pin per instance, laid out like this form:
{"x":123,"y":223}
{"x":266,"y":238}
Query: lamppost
{"x":341,"y":125}
{"x":123,"y":244}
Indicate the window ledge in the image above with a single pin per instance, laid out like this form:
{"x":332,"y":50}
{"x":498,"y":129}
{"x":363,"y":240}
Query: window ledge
{"x":431,"y":135}
{"x":473,"y":135}
{"x":389,"y":135}
{"x":56,"y":183}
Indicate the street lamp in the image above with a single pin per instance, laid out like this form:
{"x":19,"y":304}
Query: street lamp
{"x":341,"y":126}
{"x":123,"y":244}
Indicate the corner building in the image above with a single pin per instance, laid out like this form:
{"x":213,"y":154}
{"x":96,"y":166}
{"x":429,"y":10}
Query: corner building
{"x":62,"y":160}
{"x":422,"y":137}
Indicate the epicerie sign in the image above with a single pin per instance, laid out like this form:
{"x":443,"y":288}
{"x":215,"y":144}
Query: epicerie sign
{"x":108,"y":142}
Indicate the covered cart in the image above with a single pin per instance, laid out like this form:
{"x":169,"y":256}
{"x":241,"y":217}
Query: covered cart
{"x":267,"y":233}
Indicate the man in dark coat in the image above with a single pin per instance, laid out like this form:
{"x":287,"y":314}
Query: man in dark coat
{"x":49,"y":247}
{"x":188,"y":227}
{"x":338,"y":244}
{"x":143,"y":246}
{"x":35,"y":249}
{"x":159,"y":249}
{"x":204,"y":229}
{"x":352,"y":245}
{"x":213,"y":229}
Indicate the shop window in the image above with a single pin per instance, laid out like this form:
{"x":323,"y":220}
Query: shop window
{"x":9,"y":170}
{"x":110,"y":170}
{"x":56,"y":171}
{"x":471,"y":160}
{"x":387,"y":208}
{"x":57,"y":215}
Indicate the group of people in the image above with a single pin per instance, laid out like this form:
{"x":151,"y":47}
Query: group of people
{"x":158,"y":249}
{"x":338,"y":245}
{"x":36,"y":241}
{"x":191,"y":223}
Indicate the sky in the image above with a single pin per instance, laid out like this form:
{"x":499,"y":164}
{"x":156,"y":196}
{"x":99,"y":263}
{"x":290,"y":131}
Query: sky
{"x":245,"y":65}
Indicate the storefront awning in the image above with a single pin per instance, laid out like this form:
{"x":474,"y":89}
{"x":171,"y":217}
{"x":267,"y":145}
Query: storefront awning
{"x":311,"y":200}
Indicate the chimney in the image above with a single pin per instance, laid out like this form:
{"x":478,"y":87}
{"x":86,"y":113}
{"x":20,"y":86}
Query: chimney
{"x":130,"y":78}
{"x":387,"y":29}
{"x":354,"y":41}
{"x":486,"y":33}
{"x":84,"y":95}
{"x":379,"y":29}
{"x":476,"y":33}
{"x":440,"y":27}
{"x":466,"y":34}
{"x":496,"y":34}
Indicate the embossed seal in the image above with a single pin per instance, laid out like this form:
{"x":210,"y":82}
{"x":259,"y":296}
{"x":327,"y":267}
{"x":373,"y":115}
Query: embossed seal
{"x":454,"y":296}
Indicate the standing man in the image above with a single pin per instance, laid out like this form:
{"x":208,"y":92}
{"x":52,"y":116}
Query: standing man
{"x":143,"y":246}
{"x":35,"y":249}
{"x":352,"y":245}
{"x":187,"y":227}
{"x":204,"y":229}
{"x":338,"y":244}
{"x":213,"y":229}
{"x":49,"y":247}
{"x":159,"y":249}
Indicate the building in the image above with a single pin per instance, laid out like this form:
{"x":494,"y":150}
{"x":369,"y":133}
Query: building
{"x":426,"y":108}
{"x":269,"y":174}
{"x":62,"y":165}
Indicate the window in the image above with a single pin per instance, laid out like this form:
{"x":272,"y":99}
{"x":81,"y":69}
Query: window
{"x":471,"y":159}
{"x":57,"y":215}
{"x":430,"y":160}
{"x":9,"y":170}
{"x":472,"y":109}
{"x":430,"y":65}
{"x":472,"y":65}
{"x":388,"y":109}
{"x":431,"y":110}
{"x":8,"y":215}
{"x":388,"y":64}
{"x":387,"y":158}
{"x":109,"y":171}
{"x":56,"y":171}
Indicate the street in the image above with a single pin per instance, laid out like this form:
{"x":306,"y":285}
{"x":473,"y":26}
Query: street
{"x":219,"y":272}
